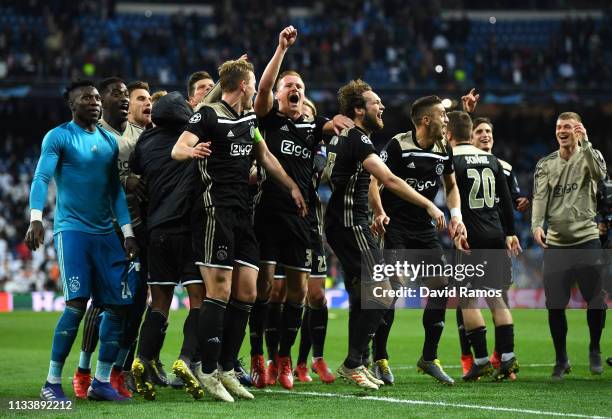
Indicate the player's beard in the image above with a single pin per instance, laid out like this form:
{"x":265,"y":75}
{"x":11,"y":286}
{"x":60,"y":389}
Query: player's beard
{"x":436,"y":132}
{"x":371,"y":123}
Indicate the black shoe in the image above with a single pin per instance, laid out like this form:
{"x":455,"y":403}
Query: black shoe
{"x":241,"y":374}
{"x":156,"y":374}
{"x":141,"y":371}
{"x":506,"y":368}
{"x":560,"y":369}
{"x":478,"y":371}
{"x":383,"y":372}
{"x":609,"y":361}
{"x":128,"y":377}
{"x":434,"y":368}
{"x":595,"y":364}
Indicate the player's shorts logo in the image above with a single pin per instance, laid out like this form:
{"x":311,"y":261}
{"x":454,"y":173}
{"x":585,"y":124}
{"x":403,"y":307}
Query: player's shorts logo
{"x":439,"y":169}
{"x":74,"y":284}
{"x":222,"y":253}
{"x":384,"y":156}
{"x":195,"y":118}
{"x":252,"y":131}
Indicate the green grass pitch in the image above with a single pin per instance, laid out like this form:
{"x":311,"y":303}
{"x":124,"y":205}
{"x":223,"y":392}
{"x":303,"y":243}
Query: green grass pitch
{"x":25,"y":340}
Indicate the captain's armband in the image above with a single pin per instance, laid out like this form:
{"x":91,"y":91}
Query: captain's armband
{"x":257,"y":137}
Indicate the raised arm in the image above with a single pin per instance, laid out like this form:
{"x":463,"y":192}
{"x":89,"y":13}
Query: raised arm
{"x":469,"y":101}
{"x":215,"y":93}
{"x":594,"y":160}
{"x":211,"y":97}
{"x":265,"y":98}
{"x":377,"y":168}
{"x":337,"y":124}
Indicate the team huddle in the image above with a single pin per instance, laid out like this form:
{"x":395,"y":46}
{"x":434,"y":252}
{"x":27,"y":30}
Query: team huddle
{"x":218,"y":193}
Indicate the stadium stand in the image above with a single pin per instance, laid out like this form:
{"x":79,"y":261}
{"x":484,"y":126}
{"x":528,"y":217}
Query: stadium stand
{"x":516,"y":55}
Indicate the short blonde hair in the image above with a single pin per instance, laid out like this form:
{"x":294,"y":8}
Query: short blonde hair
{"x":311,"y":105}
{"x":232,"y":72}
{"x":285,"y":74}
{"x":158,"y":95}
{"x":570,"y":115}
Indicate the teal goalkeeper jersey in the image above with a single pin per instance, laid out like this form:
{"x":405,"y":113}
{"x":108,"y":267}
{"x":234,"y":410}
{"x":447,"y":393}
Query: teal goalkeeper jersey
{"x":84,"y":165}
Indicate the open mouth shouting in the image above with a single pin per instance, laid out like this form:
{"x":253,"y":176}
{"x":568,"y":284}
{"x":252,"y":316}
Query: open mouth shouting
{"x":294,"y":98}
{"x":124,"y":107}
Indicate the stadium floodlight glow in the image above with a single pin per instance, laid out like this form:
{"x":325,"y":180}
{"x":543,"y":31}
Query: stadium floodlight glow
{"x":492,"y":20}
{"x":439,"y":69}
{"x":447,"y":103}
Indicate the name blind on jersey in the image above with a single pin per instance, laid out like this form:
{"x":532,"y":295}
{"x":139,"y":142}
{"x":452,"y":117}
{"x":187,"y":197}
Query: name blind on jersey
{"x":477,"y":159}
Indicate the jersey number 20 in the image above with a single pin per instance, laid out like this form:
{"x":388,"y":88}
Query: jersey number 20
{"x":486,"y":179}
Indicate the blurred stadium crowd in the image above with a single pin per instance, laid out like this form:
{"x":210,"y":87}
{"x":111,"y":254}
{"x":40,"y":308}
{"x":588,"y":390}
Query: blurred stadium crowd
{"x":392,"y":44}
{"x":387,"y":42}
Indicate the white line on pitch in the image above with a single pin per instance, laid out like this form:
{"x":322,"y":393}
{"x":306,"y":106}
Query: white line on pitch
{"x":430,"y":403}
{"x":411,"y":367}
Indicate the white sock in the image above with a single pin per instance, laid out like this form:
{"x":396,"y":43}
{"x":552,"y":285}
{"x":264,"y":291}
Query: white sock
{"x":103,"y":371}
{"x":481,"y":361}
{"x":507,"y":356}
{"x":85,"y":360}
{"x":55,"y":372}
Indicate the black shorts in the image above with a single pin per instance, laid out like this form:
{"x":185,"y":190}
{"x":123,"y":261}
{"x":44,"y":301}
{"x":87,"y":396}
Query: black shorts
{"x":279,"y":272}
{"x":402,"y":238}
{"x":223,"y":237}
{"x":284,"y":239}
{"x":492,"y":253}
{"x":319,"y":262}
{"x":564,"y":266}
{"x":170,"y":258}
{"x":351,"y":244}
{"x":401,"y":243}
